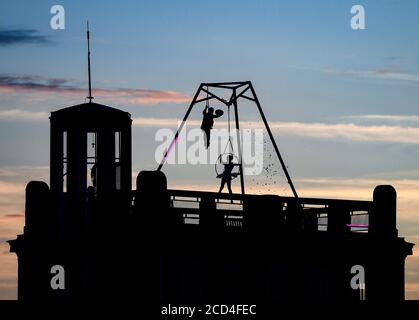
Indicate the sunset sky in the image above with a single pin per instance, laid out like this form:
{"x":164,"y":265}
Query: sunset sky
{"x":343,"y":103}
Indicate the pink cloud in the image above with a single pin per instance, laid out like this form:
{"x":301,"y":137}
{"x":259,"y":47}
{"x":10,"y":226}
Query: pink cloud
{"x":13,"y":216}
{"x":42,"y":85}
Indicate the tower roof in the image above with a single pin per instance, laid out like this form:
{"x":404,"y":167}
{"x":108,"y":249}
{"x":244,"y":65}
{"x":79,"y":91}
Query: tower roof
{"x":90,"y":115}
{"x":89,"y":107}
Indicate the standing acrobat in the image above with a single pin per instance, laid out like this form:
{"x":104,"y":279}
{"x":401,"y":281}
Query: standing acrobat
{"x":227,"y":175}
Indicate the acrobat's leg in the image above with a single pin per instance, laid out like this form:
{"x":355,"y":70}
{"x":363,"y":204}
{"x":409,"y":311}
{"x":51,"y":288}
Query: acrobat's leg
{"x":222,"y":185}
{"x":208,"y":135}
{"x":205,"y":137}
{"x":229,"y":188}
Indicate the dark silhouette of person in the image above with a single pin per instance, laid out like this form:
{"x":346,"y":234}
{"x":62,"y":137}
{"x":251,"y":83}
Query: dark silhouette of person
{"x":227,"y":175}
{"x":208,"y":122}
{"x":93,"y":175}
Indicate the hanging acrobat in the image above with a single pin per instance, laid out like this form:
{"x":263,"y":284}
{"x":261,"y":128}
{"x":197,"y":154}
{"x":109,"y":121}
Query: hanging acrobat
{"x":208,"y":121}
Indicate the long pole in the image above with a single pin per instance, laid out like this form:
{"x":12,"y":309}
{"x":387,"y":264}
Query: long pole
{"x":172,"y":144}
{"x":88,"y":64}
{"x":236,"y":116}
{"x":284,"y":167}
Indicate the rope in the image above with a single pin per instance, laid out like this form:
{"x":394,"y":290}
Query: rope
{"x":229,"y":143}
{"x":228,"y":112}
{"x":207,"y":101}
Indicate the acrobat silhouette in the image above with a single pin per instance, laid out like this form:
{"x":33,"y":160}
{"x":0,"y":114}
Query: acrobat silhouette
{"x":208,"y":122}
{"x":227,"y":174}
{"x":93,"y":175}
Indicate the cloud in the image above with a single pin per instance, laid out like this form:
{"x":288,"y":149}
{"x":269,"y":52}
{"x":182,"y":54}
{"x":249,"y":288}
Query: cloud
{"x":13,"y":216}
{"x":10,"y":37}
{"x":143,"y":96}
{"x":43,"y":85}
{"x":7,"y":187}
{"x":338,"y":131}
{"x":164,"y":122}
{"x":13,"y":181}
{"x":384,"y":117}
{"x":362,"y":189}
{"x":394,"y":58}
{"x":21,"y":174}
{"x":350,"y":131}
{"x":379,"y":74}
{"x":8,"y":273}
{"x":12,"y":194}
{"x":22,"y":115}
{"x":346,"y":131}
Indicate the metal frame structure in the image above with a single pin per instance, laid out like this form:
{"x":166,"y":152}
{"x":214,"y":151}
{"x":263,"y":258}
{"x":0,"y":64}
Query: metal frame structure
{"x":238,"y":90}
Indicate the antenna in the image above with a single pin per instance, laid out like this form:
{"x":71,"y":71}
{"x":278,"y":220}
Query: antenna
{"x":88,"y":63}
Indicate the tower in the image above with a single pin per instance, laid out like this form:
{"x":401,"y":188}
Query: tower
{"x":68,"y":222}
{"x":93,"y":141}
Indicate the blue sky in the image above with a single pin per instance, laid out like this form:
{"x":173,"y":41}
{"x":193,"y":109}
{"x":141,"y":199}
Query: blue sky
{"x":344,"y":102}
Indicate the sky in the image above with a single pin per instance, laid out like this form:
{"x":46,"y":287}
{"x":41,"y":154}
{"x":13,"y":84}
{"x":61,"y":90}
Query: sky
{"x":342,"y":103}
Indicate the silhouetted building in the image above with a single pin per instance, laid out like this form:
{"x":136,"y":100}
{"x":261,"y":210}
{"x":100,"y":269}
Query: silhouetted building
{"x":77,"y":222}
{"x":197,"y":246}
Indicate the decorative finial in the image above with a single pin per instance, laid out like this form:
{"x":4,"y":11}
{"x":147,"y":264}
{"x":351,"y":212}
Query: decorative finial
{"x":88,"y":63}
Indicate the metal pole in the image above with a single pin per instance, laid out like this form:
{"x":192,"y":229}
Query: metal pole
{"x":236,"y":116}
{"x":180,"y":128}
{"x":284,"y":168}
{"x":88,"y":63}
